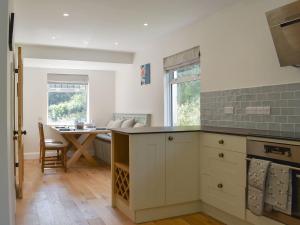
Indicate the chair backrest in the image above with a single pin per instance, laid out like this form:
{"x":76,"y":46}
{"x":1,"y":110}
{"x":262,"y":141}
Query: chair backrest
{"x":42,"y":136}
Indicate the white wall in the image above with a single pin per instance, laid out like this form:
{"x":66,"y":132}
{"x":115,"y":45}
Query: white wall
{"x":101,"y":101}
{"x":236,"y":51}
{"x":7,"y":189}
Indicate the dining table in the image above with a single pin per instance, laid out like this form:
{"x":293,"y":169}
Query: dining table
{"x":80,"y":140}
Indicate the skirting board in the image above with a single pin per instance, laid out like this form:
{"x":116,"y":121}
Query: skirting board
{"x":190,"y":208}
{"x":260,"y":219}
{"x":222,"y":216}
{"x":167,"y":212}
{"x":250,"y":219}
{"x":124,"y":208}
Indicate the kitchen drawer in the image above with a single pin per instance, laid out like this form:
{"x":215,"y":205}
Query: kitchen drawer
{"x":224,"y":195}
{"x":222,"y":141}
{"x":223,"y":163}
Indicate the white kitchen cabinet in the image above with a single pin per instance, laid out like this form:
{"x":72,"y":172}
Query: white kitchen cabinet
{"x":156,"y":175}
{"x":223,"y":172}
{"x":147,"y":166}
{"x":166,"y":174}
{"x":182,"y":167}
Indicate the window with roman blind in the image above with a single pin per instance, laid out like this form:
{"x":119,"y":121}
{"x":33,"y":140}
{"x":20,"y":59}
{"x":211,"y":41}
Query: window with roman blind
{"x":67,"y":99}
{"x":183,"y":88}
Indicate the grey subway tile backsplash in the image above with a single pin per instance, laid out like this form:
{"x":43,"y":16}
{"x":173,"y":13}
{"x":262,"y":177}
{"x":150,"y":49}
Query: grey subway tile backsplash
{"x":297,"y":94}
{"x":297,"y":127}
{"x":284,"y":101}
{"x":289,"y":127}
{"x":287,"y":95}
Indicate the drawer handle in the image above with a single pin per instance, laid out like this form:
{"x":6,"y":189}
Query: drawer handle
{"x":221,"y":155}
{"x":170,"y":138}
{"x":221,"y":142}
{"x":220,"y":185}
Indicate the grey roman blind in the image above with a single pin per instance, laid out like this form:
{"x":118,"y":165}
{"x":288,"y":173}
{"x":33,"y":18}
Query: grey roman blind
{"x":188,"y":57}
{"x":67,"y":78}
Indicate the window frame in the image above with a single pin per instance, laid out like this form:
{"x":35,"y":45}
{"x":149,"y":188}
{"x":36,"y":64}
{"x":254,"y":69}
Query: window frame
{"x":87,"y":99}
{"x":169,"y":81}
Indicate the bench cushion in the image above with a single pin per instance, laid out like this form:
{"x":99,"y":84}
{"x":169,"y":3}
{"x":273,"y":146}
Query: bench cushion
{"x":104,"y":137}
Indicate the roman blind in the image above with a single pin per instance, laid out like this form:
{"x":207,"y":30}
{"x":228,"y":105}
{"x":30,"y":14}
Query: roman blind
{"x":187,"y":57}
{"x":67,"y":78}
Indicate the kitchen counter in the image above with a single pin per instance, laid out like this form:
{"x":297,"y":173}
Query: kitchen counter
{"x":153,"y":130}
{"x":291,"y":136}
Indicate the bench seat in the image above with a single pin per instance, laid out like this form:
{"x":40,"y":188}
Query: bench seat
{"x":104,"y":137}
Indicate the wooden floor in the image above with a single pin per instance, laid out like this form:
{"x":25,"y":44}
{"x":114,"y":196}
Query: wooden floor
{"x":81,"y":197}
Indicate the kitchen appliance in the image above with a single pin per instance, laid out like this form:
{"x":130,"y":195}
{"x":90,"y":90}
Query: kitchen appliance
{"x":285,"y":154}
{"x":284,"y":24}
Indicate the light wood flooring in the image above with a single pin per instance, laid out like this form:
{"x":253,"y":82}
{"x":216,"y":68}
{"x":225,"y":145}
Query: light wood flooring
{"x":81,"y":197}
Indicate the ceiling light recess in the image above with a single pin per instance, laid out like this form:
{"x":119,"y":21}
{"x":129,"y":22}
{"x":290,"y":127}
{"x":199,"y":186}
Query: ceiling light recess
{"x":146,"y":24}
{"x":66,"y":14}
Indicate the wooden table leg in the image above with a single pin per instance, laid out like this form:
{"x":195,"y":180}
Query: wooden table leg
{"x":80,"y":148}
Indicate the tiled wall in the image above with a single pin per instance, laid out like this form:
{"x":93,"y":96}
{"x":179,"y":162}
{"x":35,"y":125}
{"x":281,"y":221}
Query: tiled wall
{"x":284,"y":101}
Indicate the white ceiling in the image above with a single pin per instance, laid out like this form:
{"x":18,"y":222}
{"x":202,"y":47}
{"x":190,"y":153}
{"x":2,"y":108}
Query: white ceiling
{"x":101,"y":23}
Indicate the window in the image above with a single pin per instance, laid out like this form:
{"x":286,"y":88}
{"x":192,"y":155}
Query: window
{"x":67,"y":103}
{"x":184,"y":95}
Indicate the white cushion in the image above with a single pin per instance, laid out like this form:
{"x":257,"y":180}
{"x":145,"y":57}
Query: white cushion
{"x":139,"y":125}
{"x":53,"y":141}
{"x":110,"y":124}
{"x":127,"y":123}
{"x":117,"y":124}
{"x":54,"y":145}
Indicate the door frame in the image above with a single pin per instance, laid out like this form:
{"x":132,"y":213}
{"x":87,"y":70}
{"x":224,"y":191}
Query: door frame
{"x":18,"y":124}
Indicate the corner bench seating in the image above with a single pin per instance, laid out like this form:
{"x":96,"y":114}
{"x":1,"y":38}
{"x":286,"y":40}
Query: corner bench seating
{"x":102,"y":144}
{"x":104,"y":137}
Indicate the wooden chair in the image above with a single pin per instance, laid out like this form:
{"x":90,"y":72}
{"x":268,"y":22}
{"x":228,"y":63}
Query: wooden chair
{"x":46,"y":142}
{"x":57,"y":161}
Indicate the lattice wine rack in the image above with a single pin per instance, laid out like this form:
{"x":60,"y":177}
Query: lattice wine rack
{"x":122,"y":181}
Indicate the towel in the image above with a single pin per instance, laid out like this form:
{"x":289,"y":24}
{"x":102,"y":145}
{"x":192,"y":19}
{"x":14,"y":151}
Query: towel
{"x":279,"y":188}
{"x":257,"y":175}
{"x":255,"y":200}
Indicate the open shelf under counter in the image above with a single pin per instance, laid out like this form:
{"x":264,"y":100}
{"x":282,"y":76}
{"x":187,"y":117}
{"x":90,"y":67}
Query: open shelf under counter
{"x":121,"y":193}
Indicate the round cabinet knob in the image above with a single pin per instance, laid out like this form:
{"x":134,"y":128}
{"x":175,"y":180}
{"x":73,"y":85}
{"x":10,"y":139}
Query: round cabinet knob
{"x":220,"y":185}
{"x":221,"y":142}
{"x":24,"y":132}
{"x":221,"y":155}
{"x":170,"y":138}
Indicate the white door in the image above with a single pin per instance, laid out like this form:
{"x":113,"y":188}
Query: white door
{"x":147,"y":170}
{"x":182,"y":167}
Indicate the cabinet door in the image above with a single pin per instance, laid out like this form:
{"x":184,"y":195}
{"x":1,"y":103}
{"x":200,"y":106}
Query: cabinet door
{"x":182,"y":167}
{"x":147,"y":170}
{"x":223,"y":194}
